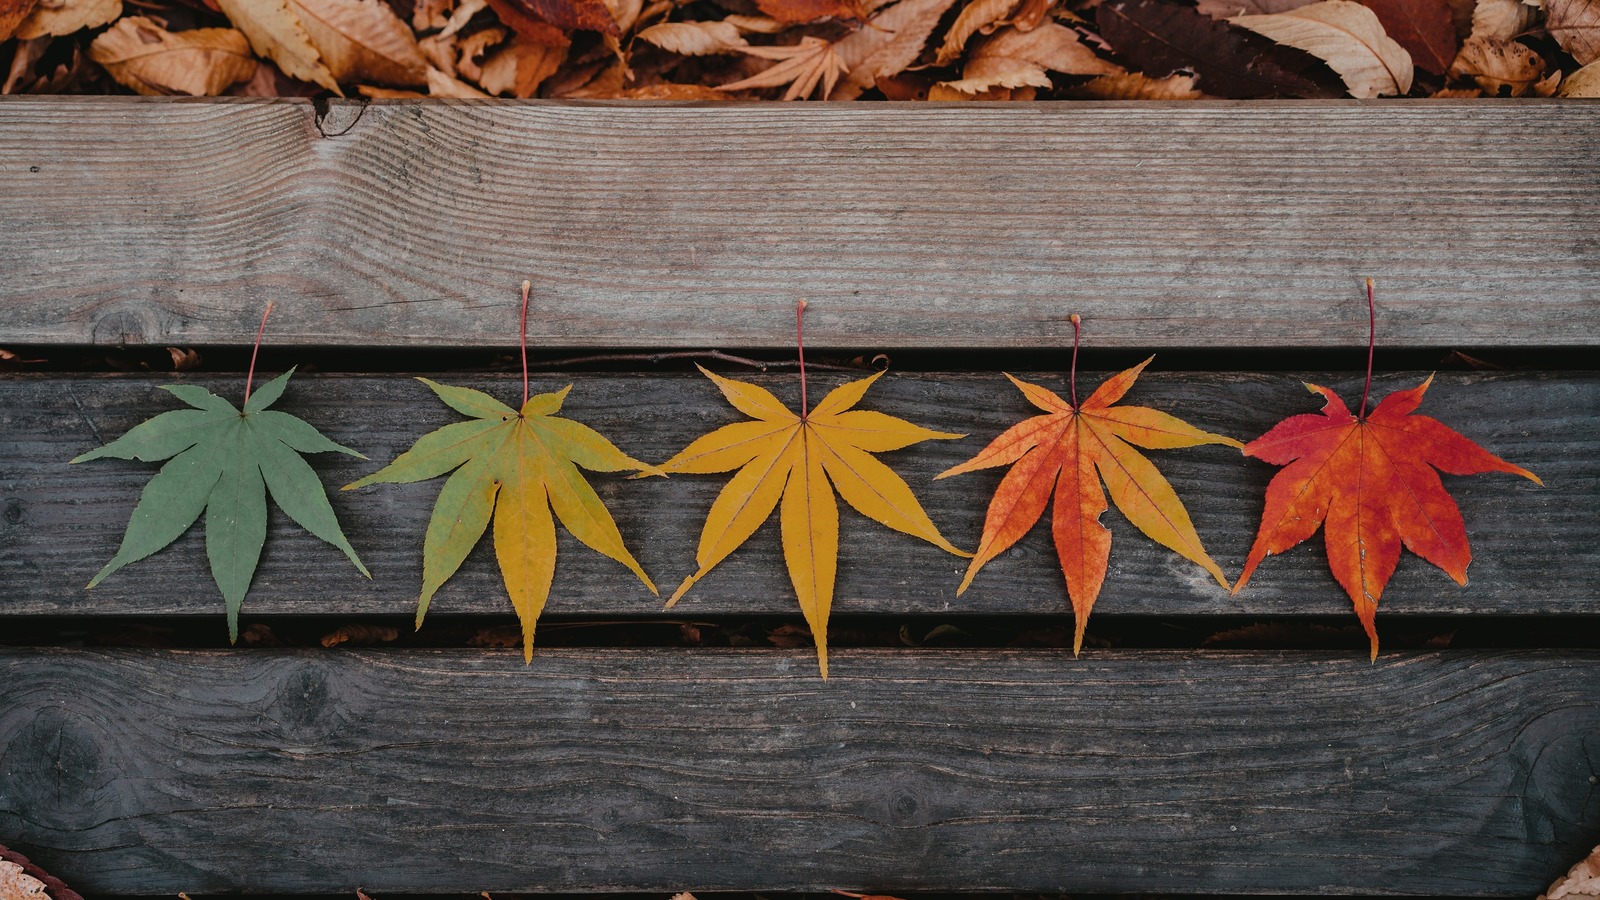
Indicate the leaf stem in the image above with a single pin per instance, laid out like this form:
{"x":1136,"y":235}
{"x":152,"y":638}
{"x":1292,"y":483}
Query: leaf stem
{"x":526,"y":286}
{"x":255,"y":350}
{"x":800,"y":347}
{"x":1077,"y":329}
{"x":1372,"y":342}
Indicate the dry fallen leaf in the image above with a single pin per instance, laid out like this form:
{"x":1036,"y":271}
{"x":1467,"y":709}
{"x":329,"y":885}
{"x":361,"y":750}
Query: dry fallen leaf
{"x":519,"y":67}
{"x":801,"y":11}
{"x":1060,"y":453}
{"x":15,"y":884}
{"x":1583,"y":83}
{"x":669,"y":91}
{"x":275,"y":32}
{"x":1575,"y":24}
{"x":362,"y":40}
{"x":803,"y":67}
{"x":695,"y":38}
{"x":1161,"y":37}
{"x":360,"y":636}
{"x":1502,"y":20}
{"x":977,"y":16}
{"x":53,"y":18}
{"x":12,"y":13}
{"x":1012,"y":59}
{"x":1227,"y":9}
{"x":1348,"y":37}
{"x":442,"y":85}
{"x":1501,"y":68}
{"x":1582,"y":881}
{"x":152,"y":61}
{"x":885,"y":46}
{"x":1137,"y":86}
{"x":802,"y":460}
{"x":1425,"y":28}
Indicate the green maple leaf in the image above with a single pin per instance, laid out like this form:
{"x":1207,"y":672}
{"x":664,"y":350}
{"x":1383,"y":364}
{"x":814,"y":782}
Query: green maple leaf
{"x":223,"y":461}
{"x":514,"y":466}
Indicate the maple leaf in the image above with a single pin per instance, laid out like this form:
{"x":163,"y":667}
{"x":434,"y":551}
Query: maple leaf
{"x":801,"y":460}
{"x":514,"y":465}
{"x":1369,"y":482}
{"x":223,"y":461}
{"x":1061,"y":452}
{"x":803,"y":67}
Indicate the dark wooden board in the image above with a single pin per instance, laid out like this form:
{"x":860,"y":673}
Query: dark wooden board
{"x":1537,"y":550}
{"x":151,"y":772}
{"x":908,"y":225}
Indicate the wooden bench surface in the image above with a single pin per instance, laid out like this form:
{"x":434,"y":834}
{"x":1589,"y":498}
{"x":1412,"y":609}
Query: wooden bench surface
{"x":910,"y":225}
{"x":1207,"y":227}
{"x":1465,"y":773}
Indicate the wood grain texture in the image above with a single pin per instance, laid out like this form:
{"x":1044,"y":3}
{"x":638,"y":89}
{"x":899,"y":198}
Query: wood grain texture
{"x":150,"y":772}
{"x":1536,"y":550}
{"x":917,"y":225}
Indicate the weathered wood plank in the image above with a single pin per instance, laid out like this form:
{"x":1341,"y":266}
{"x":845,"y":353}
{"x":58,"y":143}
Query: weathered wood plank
{"x":1458,"y":773}
{"x":1181,"y":225}
{"x":1536,"y":550}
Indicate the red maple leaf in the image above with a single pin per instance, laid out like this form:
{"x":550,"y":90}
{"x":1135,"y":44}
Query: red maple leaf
{"x":1370,"y":482}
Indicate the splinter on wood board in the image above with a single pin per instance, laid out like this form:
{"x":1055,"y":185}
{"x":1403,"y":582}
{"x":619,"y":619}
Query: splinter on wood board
{"x":223,"y":461}
{"x":800,"y":460}
{"x":1060,"y":452}
{"x":1369,"y":481}
{"x":514,"y":465}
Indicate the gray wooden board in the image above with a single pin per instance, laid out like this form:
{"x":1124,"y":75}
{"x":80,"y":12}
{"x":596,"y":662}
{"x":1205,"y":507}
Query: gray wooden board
{"x":1537,"y":550}
{"x":151,"y":772}
{"x":908,"y":225}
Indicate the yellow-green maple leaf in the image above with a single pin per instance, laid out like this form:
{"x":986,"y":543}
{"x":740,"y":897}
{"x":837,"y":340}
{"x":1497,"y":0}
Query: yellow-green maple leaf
{"x":515,"y":466}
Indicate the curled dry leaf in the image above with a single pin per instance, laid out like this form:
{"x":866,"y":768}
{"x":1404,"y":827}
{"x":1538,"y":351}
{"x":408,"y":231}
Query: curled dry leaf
{"x":978,"y":15}
{"x":430,"y":15}
{"x":1502,"y":20}
{"x":801,"y":66}
{"x":12,"y":13}
{"x":1227,"y":9}
{"x":152,"y":61}
{"x":794,"y":12}
{"x":520,"y":67}
{"x":1137,"y":86}
{"x":695,"y":38}
{"x":1583,"y":83}
{"x":473,"y":49}
{"x":886,"y":46}
{"x":1348,"y":37}
{"x":1575,"y":24}
{"x":360,"y":636}
{"x":1424,"y":27}
{"x":1501,"y":68}
{"x":755,"y":24}
{"x":15,"y":884}
{"x":668,"y":91}
{"x":362,"y":40}
{"x":54,"y":18}
{"x":442,"y":85}
{"x":1011,"y":59}
{"x":1582,"y":881}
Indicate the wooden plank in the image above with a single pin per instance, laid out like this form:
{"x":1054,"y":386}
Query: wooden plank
{"x":150,"y":772}
{"x":915,"y":225}
{"x":1537,"y":550}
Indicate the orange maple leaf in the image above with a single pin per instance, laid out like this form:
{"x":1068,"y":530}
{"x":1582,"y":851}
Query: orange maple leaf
{"x":1370,"y":483}
{"x":1061,"y":452}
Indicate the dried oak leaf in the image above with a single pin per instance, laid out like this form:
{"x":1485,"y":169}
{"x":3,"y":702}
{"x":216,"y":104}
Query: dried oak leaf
{"x":1161,"y":37}
{"x":1582,"y":881}
{"x":795,"y":459}
{"x":695,"y":38}
{"x":1501,"y":68}
{"x":1060,"y":452}
{"x":514,"y":466}
{"x":885,"y":46}
{"x":54,"y":18}
{"x":1136,"y":86}
{"x":1348,"y":37}
{"x":803,"y":67}
{"x":223,"y":461}
{"x":152,"y":61}
{"x":1575,"y":24}
{"x":1425,"y":28}
{"x":1370,"y":483}
{"x":1012,"y":59}
{"x":795,"y":12}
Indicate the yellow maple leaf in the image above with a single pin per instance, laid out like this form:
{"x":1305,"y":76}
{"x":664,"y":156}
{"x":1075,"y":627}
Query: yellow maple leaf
{"x":800,"y":461}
